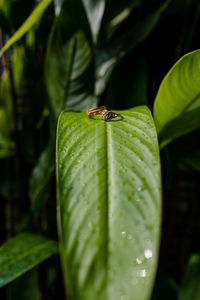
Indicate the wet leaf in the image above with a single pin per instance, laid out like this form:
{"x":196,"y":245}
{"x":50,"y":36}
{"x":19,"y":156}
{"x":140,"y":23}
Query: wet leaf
{"x":109,"y":204}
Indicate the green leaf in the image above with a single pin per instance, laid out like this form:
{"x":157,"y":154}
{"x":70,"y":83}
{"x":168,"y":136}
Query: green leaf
{"x":27,"y":25}
{"x":22,"y":253}
{"x":41,"y":176}
{"x":108,"y":56}
{"x":94,"y":10}
{"x":57,"y":5}
{"x":190,"y":289}
{"x":70,"y":61}
{"x":115,"y":14}
{"x":177,"y":104}
{"x":27,"y":286}
{"x":6,"y":113}
{"x":109,"y":204}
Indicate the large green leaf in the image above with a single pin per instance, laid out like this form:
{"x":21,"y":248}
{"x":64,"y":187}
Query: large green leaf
{"x":109,"y":204}
{"x":22,"y":253}
{"x":190,"y":289}
{"x":70,"y":61}
{"x":27,"y":25}
{"x":108,"y":55}
{"x":177,"y":104}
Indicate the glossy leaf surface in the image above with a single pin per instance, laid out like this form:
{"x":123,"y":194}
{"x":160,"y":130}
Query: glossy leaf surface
{"x":22,"y":253}
{"x":177,"y":104}
{"x":109,"y":204}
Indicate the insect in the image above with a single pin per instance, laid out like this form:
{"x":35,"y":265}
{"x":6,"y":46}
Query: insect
{"x":101,"y":110}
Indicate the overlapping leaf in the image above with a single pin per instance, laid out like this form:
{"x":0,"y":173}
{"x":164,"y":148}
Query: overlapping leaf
{"x":108,"y":204}
{"x":22,"y":253}
{"x":70,"y":61}
{"x":177,"y":104}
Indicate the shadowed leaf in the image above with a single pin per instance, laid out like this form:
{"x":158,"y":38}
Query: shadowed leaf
{"x":22,"y":253}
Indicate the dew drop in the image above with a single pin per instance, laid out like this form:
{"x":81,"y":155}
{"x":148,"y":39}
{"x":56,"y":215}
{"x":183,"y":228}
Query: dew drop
{"x":148,"y":253}
{"x":143,"y":273}
{"x":123,"y":234}
{"x":139,"y":189}
{"x":139,"y":261}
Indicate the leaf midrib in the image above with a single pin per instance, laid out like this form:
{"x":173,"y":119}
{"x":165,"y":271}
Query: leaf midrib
{"x":107,"y":200}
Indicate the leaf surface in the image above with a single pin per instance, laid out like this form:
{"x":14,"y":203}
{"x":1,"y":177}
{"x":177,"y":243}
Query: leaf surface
{"x":109,"y":204}
{"x":22,"y":253}
{"x":177,"y":104}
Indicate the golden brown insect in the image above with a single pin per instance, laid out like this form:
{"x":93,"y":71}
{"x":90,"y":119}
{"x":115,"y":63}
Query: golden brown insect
{"x":95,"y":111}
{"x":101,"y":110}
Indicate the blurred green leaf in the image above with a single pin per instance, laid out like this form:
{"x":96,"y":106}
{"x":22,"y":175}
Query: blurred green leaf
{"x":193,"y":160}
{"x":27,"y":25}
{"x":27,"y":286}
{"x":22,"y":253}
{"x":108,"y":56}
{"x":70,"y":61}
{"x":40,"y":177}
{"x":115,"y":14}
{"x":190,"y":289}
{"x":14,"y":13}
{"x":57,"y":5}
{"x":114,"y":9}
{"x":130,"y":89}
{"x":6,"y":123}
{"x":177,"y":104}
{"x":165,"y":283}
{"x":109,"y":204}
{"x":94,"y":10}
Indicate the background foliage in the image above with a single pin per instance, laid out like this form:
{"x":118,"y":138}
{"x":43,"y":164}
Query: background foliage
{"x":84,"y":53}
